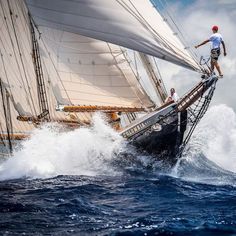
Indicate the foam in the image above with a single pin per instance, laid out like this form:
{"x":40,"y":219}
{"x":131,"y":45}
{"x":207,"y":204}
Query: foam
{"x":50,"y":152}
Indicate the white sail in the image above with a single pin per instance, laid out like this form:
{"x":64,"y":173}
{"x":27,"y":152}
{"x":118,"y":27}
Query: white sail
{"x":85,"y":71}
{"x":77,"y":70}
{"x":15,"y":62}
{"x":134,"y":24}
{"x":17,"y":74}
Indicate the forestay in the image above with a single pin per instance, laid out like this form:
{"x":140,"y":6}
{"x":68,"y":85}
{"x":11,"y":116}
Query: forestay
{"x":134,"y":24}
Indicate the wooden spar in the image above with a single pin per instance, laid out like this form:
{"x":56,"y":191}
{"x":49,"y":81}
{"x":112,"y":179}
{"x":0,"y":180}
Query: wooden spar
{"x":195,"y":94}
{"x":16,"y":136}
{"x":28,"y":119}
{"x":191,"y":97}
{"x":37,"y":121}
{"x":113,"y":120}
{"x":101,"y":108}
{"x":34,"y":119}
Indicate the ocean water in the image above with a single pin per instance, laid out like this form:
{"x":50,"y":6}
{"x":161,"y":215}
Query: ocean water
{"x":91,"y":182}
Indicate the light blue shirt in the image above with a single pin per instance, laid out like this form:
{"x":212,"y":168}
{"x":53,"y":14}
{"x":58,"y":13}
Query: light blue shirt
{"x":215,"y":40}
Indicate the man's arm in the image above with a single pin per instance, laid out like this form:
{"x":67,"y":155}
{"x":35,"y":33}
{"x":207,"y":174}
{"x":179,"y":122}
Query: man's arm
{"x":204,"y":42}
{"x":224,"y":48}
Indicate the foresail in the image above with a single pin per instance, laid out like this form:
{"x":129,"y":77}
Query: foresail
{"x":134,"y":24}
{"x":85,"y":71}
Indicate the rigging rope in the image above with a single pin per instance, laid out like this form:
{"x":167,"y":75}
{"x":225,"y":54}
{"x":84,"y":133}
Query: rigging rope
{"x":184,"y":41}
{"x":160,"y":76}
{"x":14,"y":25}
{"x":13,"y":47}
{"x":118,"y":67}
{"x":154,"y":33}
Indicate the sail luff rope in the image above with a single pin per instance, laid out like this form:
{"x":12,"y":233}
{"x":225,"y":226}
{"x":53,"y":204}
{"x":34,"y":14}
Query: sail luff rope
{"x":9,"y":111}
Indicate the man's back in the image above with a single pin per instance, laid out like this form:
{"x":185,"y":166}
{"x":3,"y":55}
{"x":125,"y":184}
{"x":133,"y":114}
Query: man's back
{"x":216,"y":40}
{"x":175,"y":97}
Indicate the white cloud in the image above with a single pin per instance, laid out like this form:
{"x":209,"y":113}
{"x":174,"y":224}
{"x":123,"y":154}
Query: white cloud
{"x":196,"y":21}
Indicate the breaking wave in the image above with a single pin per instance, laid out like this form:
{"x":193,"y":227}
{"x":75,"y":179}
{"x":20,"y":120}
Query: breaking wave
{"x":209,"y":158}
{"x":50,"y":152}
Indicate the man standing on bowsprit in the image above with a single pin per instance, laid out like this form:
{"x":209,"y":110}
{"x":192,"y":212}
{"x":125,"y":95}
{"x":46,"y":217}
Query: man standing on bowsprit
{"x":215,"y":39}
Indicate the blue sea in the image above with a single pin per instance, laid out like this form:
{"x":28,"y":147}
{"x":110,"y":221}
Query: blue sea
{"x":91,"y":182}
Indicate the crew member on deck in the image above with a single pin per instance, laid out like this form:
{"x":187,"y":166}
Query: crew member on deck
{"x":173,"y":96}
{"x":215,"y":39}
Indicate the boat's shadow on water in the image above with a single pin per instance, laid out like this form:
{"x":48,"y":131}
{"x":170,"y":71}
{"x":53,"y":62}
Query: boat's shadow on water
{"x":136,"y":161}
{"x":196,"y":168}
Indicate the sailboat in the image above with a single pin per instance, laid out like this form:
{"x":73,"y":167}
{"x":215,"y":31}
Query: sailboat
{"x":63,"y":60}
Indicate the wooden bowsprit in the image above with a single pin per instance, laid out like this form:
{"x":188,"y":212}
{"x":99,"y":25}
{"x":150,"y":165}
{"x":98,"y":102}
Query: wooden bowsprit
{"x":200,"y":107}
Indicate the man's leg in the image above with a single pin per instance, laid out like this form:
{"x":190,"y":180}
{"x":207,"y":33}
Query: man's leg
{"x":218,"y":68}
{"x":212,"y":65}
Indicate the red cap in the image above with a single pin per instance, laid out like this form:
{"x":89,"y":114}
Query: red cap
{"x":215,"y":27}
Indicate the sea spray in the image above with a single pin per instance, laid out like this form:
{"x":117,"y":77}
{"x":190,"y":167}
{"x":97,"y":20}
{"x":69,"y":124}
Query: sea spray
{"x":215,"y":137}
{"x":50,"y":152}
{"x":210,"y":156}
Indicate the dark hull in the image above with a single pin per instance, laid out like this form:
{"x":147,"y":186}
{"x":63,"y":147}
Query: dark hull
{"x":162,"y":132}
{"x":164,"y":144}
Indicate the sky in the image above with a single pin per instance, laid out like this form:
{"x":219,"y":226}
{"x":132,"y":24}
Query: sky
{"x":195,"y":19}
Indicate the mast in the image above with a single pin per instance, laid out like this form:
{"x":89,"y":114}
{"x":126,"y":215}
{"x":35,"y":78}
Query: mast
{"x":153,"y":76}
{"x":7,"y":114}
{"x":42,"y":96}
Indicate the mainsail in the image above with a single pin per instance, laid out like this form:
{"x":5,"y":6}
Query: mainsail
{"x":133,"y":24}
{"x":61,"y":60}
{"x":86,"y":71}
{"x":77,"y":71}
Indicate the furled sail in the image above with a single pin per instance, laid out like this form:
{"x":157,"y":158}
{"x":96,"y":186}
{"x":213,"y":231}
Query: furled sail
{"x":134,"y":24}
